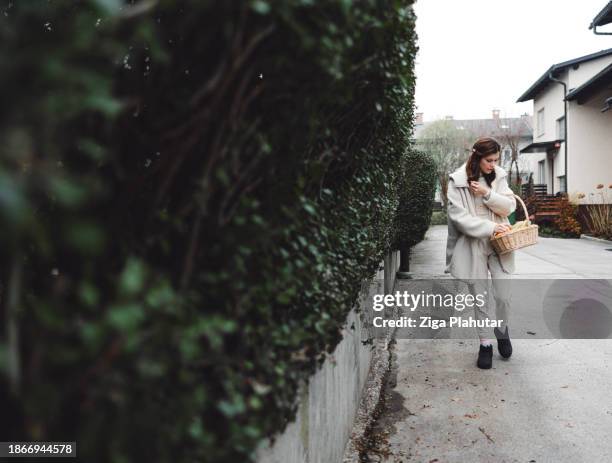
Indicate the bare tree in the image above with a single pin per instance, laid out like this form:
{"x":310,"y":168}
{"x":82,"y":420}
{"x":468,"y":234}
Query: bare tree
{"x":448,"y":145}
{"x":509,"y":133}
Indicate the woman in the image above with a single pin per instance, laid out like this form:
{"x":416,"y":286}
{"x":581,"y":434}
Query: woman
{"x":479,"y":203}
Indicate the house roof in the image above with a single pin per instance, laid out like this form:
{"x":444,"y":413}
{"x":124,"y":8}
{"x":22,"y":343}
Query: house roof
{"x":603,"y":17}
{"x":497,"y":127}
{"x":541,"y":146}
{"x":595,"y":83}
{"x":490,"y":127}
{"x":556,"y":69}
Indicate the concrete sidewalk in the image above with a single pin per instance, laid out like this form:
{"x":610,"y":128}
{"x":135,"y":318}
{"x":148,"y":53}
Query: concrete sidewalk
{"x":549,"y":402}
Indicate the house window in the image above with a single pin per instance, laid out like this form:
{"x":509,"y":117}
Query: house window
{"x":561,"y":128}
{"x":541,"y":174}
{"x":562,"y":184}
{"x":541,"y":122}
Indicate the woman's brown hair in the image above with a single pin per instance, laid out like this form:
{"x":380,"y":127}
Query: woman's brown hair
{"x":483,"y":147}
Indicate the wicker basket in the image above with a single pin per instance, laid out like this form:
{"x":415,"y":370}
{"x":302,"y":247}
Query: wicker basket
{"x":516,"y":239}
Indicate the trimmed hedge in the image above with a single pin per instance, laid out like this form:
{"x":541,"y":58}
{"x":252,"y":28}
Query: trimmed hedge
{"x":416,"y":199}
{"x":192,"y":193}
{"x":439,"y":218}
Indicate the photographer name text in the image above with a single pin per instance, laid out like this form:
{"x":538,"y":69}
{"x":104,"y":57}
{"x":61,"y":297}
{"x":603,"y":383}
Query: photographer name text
{"x":435,"y":323}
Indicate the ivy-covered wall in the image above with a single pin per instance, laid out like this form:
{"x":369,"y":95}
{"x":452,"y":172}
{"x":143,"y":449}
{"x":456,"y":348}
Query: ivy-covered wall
{"x":191,"y":193}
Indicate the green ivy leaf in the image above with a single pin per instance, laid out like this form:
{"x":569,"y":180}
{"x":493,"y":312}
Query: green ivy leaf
{"x":125,"y":317}
{"x":260,"y":7}
{"x":131,"y":280}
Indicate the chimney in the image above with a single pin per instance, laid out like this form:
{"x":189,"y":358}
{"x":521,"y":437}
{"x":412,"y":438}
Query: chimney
{"x":496,"y":114}
{"x":418,"y":120}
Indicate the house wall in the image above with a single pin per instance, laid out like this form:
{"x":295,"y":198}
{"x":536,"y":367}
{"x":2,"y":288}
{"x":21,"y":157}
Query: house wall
{"x":586,"y":70}
{"x":551,"y":100}
{"x":590,"y":147}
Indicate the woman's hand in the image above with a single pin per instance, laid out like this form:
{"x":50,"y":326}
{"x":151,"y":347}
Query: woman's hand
{"x":501,"y":228}
{"x":477,"y":189}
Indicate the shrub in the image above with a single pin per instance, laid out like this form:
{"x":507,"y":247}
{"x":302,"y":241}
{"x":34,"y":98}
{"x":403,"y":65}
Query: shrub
{"x":549,"y":230}
{"x":418,"y":188}
{"x":566,"y":222}
{"x":598,"y":211}
{"x":516,"y":188}
{"x":439,"y":218}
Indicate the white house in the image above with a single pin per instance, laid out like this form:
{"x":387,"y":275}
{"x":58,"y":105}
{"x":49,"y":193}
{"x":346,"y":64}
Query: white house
{"x":571,"y":149}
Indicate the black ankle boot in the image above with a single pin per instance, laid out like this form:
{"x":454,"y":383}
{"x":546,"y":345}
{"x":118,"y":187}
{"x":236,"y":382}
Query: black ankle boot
{"x":504,"y":346}
{"x":485,"y":356}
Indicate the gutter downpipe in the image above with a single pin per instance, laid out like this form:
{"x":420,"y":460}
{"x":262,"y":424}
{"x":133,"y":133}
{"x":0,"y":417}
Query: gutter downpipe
{"x":550,"y":76}
{"x":600,"y":33}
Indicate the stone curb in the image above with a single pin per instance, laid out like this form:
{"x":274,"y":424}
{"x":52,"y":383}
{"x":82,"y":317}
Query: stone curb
{"x":370,"y":397}
{"x":592,"y":238}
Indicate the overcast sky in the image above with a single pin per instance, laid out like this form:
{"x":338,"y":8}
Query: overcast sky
{"x":477,"y":55}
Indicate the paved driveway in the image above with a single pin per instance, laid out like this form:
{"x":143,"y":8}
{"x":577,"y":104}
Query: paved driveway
{"x":550,"y":258}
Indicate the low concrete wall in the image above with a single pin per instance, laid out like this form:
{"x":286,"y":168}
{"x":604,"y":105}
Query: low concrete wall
{"x":328,"y":402}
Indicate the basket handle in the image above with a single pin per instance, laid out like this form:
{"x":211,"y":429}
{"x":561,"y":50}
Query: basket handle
{"x":524,"y":209}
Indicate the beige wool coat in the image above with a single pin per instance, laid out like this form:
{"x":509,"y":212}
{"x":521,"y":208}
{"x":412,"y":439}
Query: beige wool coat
{"x":465,"y":251}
